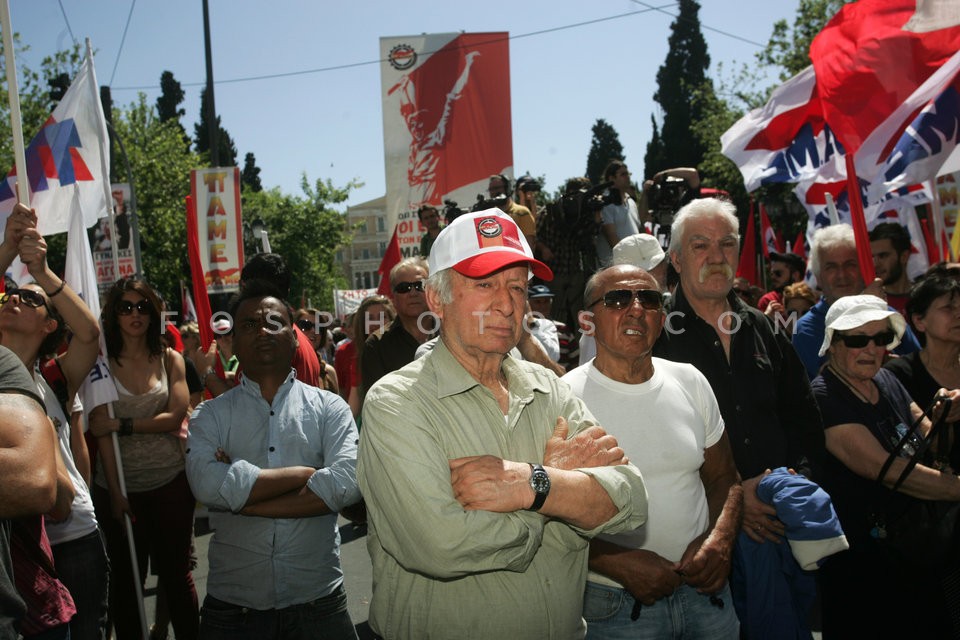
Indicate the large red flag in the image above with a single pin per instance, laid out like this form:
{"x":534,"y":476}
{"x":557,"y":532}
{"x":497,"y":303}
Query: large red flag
{"x":873,"y":55}
{"x":390,"y":259}
{"x":747,"y":268}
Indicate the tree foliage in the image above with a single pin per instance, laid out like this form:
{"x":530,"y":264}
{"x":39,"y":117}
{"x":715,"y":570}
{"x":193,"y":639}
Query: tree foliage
{"x":604,"y":147}
{"x":161,"y":166}
{"x":250,"y":175}
{"x":226,"y":149}
{"x":789,"y":46}
{"x":307,"y":232}
{"x":682,"y":74}
{"x":170,"y":99}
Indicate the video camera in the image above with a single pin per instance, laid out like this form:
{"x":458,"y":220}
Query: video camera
{"x":451,"y":211}
{"x":666,"y":196}
{"x":496,"y":202}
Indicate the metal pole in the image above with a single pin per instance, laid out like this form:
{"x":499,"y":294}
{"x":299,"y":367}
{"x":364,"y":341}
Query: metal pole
{"x":212,"y":128}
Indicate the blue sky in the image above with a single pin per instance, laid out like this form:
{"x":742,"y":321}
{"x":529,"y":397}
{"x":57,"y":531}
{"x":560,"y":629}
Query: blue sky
{"x":329,"y":123}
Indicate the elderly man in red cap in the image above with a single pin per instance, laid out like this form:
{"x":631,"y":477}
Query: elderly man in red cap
{"x":479,"y":505}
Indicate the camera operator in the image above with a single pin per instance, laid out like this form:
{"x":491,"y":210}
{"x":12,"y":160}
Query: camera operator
{"x":620,"y":218}
{"x":525,"y":194}
{"x":499,"y":196}
{"x":430,"y":219}
{"x":566,"y":230}
{"x":664,"y":194}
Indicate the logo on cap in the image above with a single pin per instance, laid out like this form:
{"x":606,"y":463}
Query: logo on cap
{"x":489,"y":227}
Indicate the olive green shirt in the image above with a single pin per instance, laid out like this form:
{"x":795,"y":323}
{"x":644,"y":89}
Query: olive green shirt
{"x":440,"y":571}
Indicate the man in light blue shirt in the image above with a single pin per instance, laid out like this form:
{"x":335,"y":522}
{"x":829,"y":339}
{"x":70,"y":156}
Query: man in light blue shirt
{"x":275,"y":460}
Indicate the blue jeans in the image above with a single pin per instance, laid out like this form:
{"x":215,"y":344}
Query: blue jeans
{"x":325,"y":617}
{"x":85,"y":570}
{"x":685,"y":614}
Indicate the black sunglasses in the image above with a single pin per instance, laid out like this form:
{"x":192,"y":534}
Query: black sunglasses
{"x":650,"y":299}
{"x":305,"y":324}
{"x":405,"y":287}
{"x":859,"y":341}
{"x":27,"y":297}
{"x":125,"y":307}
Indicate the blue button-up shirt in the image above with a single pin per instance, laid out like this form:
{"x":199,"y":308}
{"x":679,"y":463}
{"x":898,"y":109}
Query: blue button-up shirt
{"x":267,"y":563}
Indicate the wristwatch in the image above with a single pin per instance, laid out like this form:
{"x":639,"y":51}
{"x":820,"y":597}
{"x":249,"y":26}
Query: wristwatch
{"x":540,"y":483}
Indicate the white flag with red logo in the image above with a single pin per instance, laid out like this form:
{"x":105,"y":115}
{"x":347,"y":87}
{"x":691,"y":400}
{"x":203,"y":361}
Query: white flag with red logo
{"x":67,"y":161}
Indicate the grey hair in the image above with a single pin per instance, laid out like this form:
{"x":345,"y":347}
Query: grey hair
{"x":412,"y":261}
{"x":442,"y":283}
{"x":701,"y":208}
{"x":827,"y":238}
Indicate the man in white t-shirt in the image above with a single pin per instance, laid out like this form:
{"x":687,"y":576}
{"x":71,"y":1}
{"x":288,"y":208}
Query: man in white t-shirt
{"x":669,"y":577}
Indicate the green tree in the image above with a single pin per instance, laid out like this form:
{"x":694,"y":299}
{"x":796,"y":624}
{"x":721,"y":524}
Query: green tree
{"x":250,"y":176}
{"x":604,"y":147}
{"x":789,"y":46}
{"x":169,"y":101}
{"x":681,"y":75}
{"x":161,"y":166}
{"x":307,"y":231}
{"x":655,"y":155}
{"x":226,"y":149}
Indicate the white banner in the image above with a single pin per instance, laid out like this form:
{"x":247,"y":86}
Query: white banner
{"x":216,"y":193}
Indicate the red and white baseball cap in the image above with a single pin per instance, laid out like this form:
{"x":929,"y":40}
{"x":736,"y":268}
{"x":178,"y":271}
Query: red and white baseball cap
{"x":479,"y":243}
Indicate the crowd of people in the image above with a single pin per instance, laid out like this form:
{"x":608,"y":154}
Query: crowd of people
{"x":562,"y":422}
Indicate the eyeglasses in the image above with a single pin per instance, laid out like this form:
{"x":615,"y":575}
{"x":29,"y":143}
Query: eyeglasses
{"x":125,"y":307}
{"x":405,"y":287}
{"x":777,"y":272}
{"x":27,"y":297}
{"x":650,"y":299}
{"x":306,"y":324}
{"x":859,"y":341}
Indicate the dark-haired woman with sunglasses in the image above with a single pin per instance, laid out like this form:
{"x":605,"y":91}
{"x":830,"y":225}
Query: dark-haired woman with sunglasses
{"x":868,"y":592}
{"x":153,"y":399}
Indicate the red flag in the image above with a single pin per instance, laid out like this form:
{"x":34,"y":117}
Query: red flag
{"x":859,"y":223}
{"x":390,"y":259}
{"x":196,"y":270}
{"x":872,"y":55}
{"x":800,"y":245}
{"x":770,"y":239}
{"x":748,"y":252}
{"x":932,"y":250}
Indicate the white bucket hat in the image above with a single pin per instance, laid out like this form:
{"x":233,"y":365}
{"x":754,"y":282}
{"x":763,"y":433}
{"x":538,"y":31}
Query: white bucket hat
{"x":850,"y":312}
{"x":640,"y":250}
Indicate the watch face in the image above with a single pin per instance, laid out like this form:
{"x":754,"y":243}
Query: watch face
{"x":540,"y":481}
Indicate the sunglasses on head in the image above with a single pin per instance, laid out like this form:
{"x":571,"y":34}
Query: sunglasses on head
{"x":27,"y":297}
{"x":859,"y":341}
{"x":405,"y":287}
{"x":125,"y":307}
{"x":650,"y":299}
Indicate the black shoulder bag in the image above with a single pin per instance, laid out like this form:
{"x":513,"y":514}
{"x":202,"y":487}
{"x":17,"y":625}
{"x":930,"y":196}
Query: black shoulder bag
{"x":925,"y":533}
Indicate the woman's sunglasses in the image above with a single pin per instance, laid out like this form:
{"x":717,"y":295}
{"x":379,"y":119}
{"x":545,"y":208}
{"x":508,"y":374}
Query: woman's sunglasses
{"x":125,"y":308}
{"x":859,"y":341}
{"x":650,"y":299}
{"x":27,"y":297}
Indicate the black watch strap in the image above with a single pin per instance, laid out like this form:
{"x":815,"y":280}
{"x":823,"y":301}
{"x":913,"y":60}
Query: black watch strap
{"x":540,"y":483}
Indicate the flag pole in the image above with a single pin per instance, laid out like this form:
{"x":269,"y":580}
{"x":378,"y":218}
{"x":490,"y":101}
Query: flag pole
{"x":13,"y":95}
{"x":859,"y":222}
